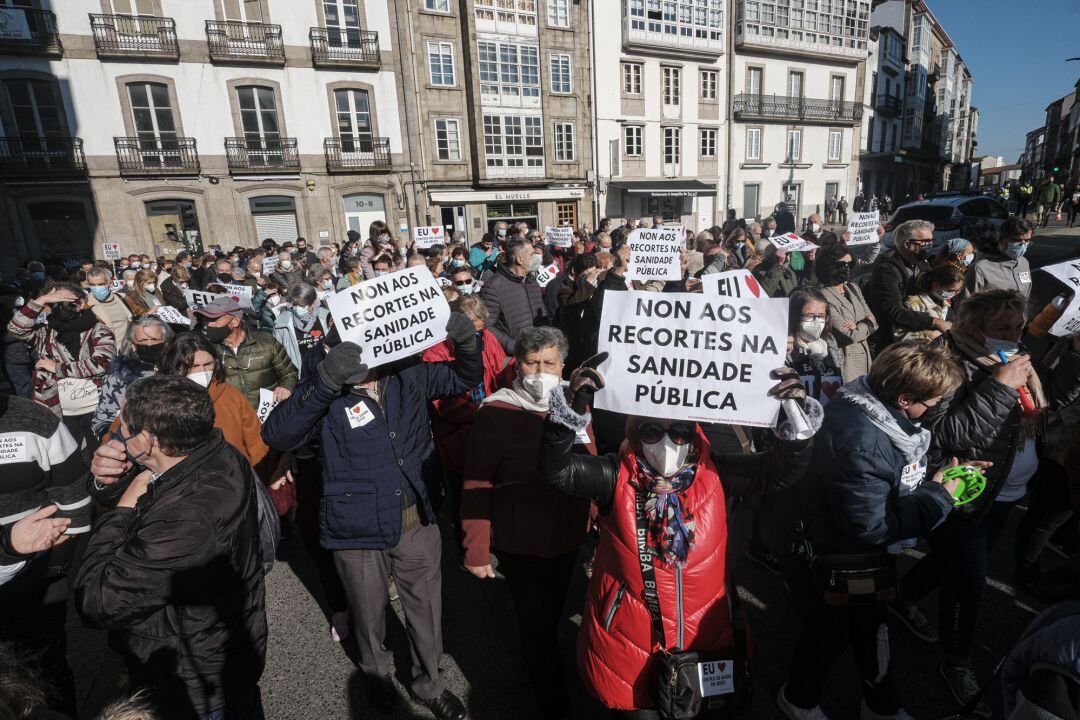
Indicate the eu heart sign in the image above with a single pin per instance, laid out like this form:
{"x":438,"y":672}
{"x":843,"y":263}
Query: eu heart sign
{"x":426,"y":236}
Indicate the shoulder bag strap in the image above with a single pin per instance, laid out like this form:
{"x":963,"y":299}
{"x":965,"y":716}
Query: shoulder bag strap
{"x":646,"y":560}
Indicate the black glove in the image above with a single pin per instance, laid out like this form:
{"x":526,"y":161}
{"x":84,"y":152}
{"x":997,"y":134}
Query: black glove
{"x":343,"y":366}
{"x":790,"y":387}
{"x":461,"y":330}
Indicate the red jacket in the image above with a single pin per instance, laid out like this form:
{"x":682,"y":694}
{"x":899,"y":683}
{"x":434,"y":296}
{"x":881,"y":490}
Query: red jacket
{"x":452,"y":418}
{"x":616,"y":643}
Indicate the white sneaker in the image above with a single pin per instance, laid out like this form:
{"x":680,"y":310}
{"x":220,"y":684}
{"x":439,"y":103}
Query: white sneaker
{"x":865,"y":713}
{"x":794,"y":712}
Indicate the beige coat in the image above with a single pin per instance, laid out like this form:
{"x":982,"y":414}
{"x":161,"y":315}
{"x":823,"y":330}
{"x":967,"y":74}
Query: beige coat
{"x":845,"y":307}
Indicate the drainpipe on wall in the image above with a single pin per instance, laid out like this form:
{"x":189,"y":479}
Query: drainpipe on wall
{"x":408,"y":124}
{"x":595,"y":117}
{"x":730,"y":116}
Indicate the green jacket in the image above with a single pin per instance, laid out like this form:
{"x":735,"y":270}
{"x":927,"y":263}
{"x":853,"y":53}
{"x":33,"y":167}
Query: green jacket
{"x":1050,"y":193}
{"x":259,"y":362}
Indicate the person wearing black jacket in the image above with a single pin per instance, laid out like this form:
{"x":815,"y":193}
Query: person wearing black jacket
{"x":894,"y":279}
{"x":512,"y":296}
{"x":175,"y":569}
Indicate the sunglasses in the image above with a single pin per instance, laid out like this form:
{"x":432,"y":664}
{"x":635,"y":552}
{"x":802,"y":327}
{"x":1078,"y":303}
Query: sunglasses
{"x":680,"y":433}
{"x":462,"y":283}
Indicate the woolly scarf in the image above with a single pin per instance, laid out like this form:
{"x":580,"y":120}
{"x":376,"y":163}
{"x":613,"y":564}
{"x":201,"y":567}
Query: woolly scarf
{"x":517,"y":396}
{"x":304,"y":324}
{"x":858,"y":393}
{"x":669,"y":523}
{"x":69,"y":330}
{"x":976,"y":352}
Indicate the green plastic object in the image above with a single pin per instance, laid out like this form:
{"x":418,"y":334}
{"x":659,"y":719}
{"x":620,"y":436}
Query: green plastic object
{"x":971,"y":485}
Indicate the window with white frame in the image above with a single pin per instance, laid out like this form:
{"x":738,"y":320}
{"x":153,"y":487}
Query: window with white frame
{"x":753,"y":144}
{"x":842,"y":24}
{"x":441,"y":62}
{"x":558,"y":13}
{"x":708,"y":142}
{"x":440,"y":6}
{"x":836,"y":145}
{"x":708,"y":84}
{"x":564,"y":142}
{"x":517,"y":16}
{"x":672,"y":20}
{"x":514,"y":143}
{"x":631,"y":78}
{"x":672,"y":81}
{"x":509,"y":72}
{"x":560,"y":73}
{"x":794,"y":145}
{"x":672,"y":145}
{"x":632,"y":140}
{"x":448,"y":138}
{"x":753,"y":80}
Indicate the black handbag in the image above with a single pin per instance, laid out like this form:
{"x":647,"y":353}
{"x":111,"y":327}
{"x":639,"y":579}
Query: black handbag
{"x":691,"y":684}
{"x":860,"y":578}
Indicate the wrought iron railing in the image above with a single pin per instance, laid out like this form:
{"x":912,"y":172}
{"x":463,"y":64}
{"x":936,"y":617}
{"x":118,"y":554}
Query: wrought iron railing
{"x":157,"y":155}
{"x":357,"y":154}
{"x":233,"y":40}
{"x":259,"y":154}
{"x":344,"y":47}
{"x":888,"y":104}
{"x":118,"y":36}
{"x":29,"y":31}
{"x":28,"y":156}
{"x":782,"y":107}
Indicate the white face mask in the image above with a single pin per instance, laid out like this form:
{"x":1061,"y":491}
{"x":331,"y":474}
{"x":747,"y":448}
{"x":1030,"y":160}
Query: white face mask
{"x":256,"y":274}
{"x":182,"y":286}
{"x":286,"y":264}
{"x":534,"y":263}
{"x":150,"y":288}
{"x":1006,"y":346}
{"x":467,"y":289}
{"x":811,"y":329}
{"x":947,"y":294}
{"x":605,"y":249}
{"x":665,"y":457}
{"x":540,"y":385}
{"x":130,"y":283}
{"x":202,"y":377}
{"x":20,"y":301}
{"x":968,"y":259}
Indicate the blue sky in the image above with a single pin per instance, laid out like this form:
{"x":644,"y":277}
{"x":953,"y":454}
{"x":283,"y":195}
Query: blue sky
{"x":1016,"y":54}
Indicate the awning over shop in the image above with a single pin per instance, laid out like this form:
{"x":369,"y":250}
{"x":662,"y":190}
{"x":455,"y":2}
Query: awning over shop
{"x":665,"y":188}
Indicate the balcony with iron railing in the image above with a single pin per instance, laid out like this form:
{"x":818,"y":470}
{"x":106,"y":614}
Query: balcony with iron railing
{"x":797,"y":109}
{"x":652,"y":37}
{"x":344,"y":155}
{"x":157,"y":156}
{"x":262,"y":154}
{"x":233,"y":41}
{"x":337,"y":47}
{"x":127,"y":36}
{"x":41,"y":157}
{"x":26,"y":31}
{"x":888,"y":105}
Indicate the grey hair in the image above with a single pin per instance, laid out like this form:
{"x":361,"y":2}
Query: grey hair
{"x":129,"y":272}
{"x":769,"y":219}
{"x":302,"y":294}
{"x":318,"y":273}
{"x":906,"y":230}
{"x":325,"y":253}
{"x":100,"y":272}
{"x":128,"y":346}
{"x":532,"y":339}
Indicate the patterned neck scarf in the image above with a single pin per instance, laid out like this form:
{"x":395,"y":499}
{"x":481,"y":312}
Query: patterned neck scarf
{"x":670,"y":524}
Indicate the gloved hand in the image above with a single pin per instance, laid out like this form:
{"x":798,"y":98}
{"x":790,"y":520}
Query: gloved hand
{"x":460,"y":329}
{"x":790,"y":386}
{"x":343,"y":366}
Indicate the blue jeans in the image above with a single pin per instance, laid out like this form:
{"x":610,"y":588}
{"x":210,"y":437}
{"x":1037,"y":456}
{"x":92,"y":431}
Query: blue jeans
{"x":246,"y":707}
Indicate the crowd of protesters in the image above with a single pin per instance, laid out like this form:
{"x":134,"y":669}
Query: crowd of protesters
{"x":137,"y":432}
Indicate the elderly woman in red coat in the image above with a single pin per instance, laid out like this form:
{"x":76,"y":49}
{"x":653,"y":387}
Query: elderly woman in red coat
{"x":667,"y":466}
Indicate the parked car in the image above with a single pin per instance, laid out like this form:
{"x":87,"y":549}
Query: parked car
{"x":975,"y":217}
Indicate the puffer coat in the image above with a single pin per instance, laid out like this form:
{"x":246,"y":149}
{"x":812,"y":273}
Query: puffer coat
{"x":513,"y":304}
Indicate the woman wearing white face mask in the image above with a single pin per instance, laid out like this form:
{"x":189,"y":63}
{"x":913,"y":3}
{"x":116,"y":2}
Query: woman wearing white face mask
{"x":850,"y":318}
{"x":934,"y":295}
{"x":508,"y":509}
{"x":379,"y":243}
{"x":303,"y":324}
{"x":666,"y":487}
{"x":813,"y":351}
{"x":143,"y":296}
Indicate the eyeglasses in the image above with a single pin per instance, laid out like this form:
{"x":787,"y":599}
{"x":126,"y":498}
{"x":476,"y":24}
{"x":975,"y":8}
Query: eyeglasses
{"x":811,"y":317}
{"x":462,"y":283}
{"x":921,"y":245}
{"x":680,"y":433}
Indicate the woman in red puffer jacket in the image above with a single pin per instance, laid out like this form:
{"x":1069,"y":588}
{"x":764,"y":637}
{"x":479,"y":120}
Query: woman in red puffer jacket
{"x":671,"y":464}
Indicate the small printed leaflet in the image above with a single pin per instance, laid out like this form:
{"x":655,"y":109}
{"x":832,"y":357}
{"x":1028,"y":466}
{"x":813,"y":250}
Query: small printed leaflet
{"x":688,"y":356}
{"x":427,"y":236}
{"x":392,"y":316}
{"x":562,"y":237}
{"x":12,"y":448}
{"x":863,"y":228}
{"x":547,"y":274}
{"x":655,"y":254}
{"x":266,"y":404}
{"x":716,"y":677}
{"x":791,"y":243}
{"x":171,"y":315}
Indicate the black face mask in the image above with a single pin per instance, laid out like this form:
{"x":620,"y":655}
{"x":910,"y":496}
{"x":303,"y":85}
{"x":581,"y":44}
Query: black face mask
{"x":63,"y":313}
{"x":150,"y":353}
{"x":217,"y":335}
{"x":841,"y":275}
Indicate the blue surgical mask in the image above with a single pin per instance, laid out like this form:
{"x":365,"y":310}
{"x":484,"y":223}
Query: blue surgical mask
{"x":968,"y":259}
{"x":301,"y":312}
{"x":38,"y":276}
{"x":1016,"y":250}
{"x":1006,"y":346}
{"x":457,"y":263}
{"x":100,"y":292}
{"x":502,"y":233}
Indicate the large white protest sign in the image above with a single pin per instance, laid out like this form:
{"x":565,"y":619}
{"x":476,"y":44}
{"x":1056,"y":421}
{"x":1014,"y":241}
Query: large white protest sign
{"x":112,"y":251}
{"x":171,"y":315}
{"x":266,"y":404}
{"x":547,"y":274}
{"x":269,"y":265}
{"x":687,"y":356}
{"x":863,"y":228}
{"x":427,"y":236}
{"x":655,"y":254}
{"x":201,"y":298}
{"x":1069,"y":273}
{"x":559,"y":236}
{"x":242,"y":293}
{"x":791,"y":243}
{"x":393,"y":316}
{"x":733,"y":284}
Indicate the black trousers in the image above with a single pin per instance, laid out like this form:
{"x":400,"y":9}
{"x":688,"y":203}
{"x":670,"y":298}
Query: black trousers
{"x":538,"y":586}
{"x":828,"y":630}
{"x":80,"y":429}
